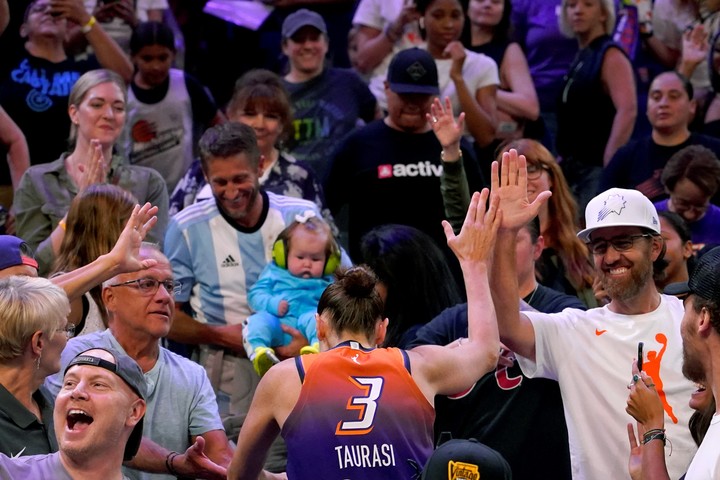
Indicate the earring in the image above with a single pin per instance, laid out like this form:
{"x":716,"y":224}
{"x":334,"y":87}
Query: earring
{"x":37,"y":362}
{"x":421,"y":23}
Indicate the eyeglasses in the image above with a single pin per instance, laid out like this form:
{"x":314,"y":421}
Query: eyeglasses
{"x":149,"y":286}
{"x":534,"y":170}
{"x":69,"y":330}
{"x":620,"y":244}
{"x":684,"y":205}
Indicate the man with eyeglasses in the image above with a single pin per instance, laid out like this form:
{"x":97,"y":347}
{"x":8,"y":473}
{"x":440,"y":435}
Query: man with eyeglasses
{"x":182,"y":408}
{"x":590,"y":353}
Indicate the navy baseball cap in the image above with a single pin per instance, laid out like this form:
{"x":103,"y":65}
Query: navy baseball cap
{"x":413,"y":70}
{"x":14,"y":251}
{"x":302,"y":18}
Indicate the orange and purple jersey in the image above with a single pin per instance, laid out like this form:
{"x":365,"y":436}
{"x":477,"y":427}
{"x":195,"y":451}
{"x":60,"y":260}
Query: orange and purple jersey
{"x":360,"y":415}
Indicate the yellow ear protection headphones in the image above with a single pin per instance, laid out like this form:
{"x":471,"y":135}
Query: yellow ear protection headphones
{"x":280,"y":249}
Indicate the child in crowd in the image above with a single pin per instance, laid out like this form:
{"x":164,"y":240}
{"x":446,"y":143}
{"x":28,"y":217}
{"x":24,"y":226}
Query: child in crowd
{"x":166,"y":107}
{"x":305,"y":256}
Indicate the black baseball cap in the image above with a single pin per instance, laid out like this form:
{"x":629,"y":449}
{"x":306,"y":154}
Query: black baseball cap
{"x":413,"y":70}
{"x":127,"y":369}
{"x":457,"y":459}
{"x":704,"y":280}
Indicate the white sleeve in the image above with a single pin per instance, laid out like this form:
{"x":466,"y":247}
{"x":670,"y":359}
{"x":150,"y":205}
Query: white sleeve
{"x":368,"y":13}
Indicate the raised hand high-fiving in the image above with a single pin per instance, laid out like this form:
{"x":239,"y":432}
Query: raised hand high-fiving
{"x":476,"y":239}
{"x":509,"y":183}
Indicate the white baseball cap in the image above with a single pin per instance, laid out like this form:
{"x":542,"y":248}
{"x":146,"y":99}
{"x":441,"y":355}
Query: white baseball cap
{"x":619,"y":207}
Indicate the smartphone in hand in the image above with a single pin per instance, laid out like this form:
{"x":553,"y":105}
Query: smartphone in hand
{"x":640,"y":356}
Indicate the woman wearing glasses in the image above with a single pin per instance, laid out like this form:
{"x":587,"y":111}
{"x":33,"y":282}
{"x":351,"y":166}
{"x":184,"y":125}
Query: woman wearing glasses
{"x":565,"y":263}
{"x":33,"y":332}
{"x":691,"y":178}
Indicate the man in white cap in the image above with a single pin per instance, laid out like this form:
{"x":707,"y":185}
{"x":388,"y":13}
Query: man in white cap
{"x":590,"y":353}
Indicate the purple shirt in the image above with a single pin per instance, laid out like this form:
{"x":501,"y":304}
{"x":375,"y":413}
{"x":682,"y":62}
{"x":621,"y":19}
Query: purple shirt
{"x":705,"y":231}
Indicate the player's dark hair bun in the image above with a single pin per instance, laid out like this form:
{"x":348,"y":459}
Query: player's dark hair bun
{"x":358,"y":281}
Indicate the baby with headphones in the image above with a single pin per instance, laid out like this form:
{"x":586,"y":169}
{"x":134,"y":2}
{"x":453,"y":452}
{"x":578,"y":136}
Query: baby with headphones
{"x":305,"y":257}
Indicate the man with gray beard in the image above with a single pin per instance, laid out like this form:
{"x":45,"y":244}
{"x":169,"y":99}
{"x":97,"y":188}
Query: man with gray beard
{"x":589,"y":352}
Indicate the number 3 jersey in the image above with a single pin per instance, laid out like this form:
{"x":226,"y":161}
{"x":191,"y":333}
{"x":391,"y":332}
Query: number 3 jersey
{"x":360,"y":416}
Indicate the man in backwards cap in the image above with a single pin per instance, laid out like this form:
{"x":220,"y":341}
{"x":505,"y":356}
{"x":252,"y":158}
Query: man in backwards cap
{"x":701,"y":351}
{"x":590,"y":352}
{"x":98,"y":421}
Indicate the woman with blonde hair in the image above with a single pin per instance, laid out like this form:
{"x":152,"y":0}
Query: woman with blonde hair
{"x":599,"y":84}
{"x":33,"y":333}
{"x":97,"y":105}
{"x":95,"y":220}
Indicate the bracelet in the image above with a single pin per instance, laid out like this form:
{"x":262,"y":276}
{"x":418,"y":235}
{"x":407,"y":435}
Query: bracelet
{"x":655,"y":434}
{"x":89,"y":25}
{"x":391,"y":34}
{"x":62,"y":224}
{"x":459,"y":155}
{"x":169,"y":463}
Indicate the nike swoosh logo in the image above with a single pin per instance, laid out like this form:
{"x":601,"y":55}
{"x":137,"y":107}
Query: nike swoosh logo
{"x":18,"y":454}
{"x":599,"y":332}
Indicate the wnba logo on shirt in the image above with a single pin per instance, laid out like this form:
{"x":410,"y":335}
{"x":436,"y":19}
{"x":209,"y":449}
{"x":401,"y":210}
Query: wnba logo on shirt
{"x":420,"y":169}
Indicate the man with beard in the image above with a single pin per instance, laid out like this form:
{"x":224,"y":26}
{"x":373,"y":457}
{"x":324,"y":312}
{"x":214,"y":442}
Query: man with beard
{"x":588,"y":352}
{"x":700,"y":330}
{"x":217,"y":249}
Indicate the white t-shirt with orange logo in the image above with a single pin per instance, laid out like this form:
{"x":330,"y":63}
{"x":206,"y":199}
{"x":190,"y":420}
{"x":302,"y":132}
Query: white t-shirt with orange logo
{"x":590,"y":354}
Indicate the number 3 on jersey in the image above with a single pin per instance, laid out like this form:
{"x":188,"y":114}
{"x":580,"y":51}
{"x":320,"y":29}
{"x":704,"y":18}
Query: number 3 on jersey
{"x":364,"y":404}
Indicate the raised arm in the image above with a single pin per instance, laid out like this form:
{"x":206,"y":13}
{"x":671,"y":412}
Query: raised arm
{"x":374,"y":44}
{"x":510,"y":186}
{"x":453,"y":180}
{"x":123,"y":258}
{"x":444,"y":370}
{"x":107,"y":51}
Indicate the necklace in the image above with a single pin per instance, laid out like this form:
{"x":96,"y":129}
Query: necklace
{"x":532,"y":295}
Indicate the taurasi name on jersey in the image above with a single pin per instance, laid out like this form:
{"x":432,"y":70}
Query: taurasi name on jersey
{"x":365,"y":456}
